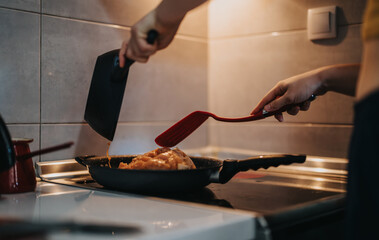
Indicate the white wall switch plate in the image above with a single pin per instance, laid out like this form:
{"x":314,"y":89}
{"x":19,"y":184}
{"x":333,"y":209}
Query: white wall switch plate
{"x":322,"y":23}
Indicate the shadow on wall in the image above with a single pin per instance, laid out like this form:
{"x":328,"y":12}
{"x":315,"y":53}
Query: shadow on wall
{"x":341,"y":31}
{"x":115,"y":12}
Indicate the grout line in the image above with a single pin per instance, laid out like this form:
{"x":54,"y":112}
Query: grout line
{"x":272,"y":33}
{"x":119,"y":123}
{"x":88,"y":21}
{"x":258,"y":34}
{"x":209,"y":93}
{"x":291,"y":124}
{"x":40,"y":79}
{"x":218,"y":124}
{"x":19,"y":10}
{"x":124,"y":27}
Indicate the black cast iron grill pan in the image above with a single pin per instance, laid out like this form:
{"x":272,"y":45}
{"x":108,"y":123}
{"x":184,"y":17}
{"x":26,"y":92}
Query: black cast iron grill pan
{"x":208,"y":170}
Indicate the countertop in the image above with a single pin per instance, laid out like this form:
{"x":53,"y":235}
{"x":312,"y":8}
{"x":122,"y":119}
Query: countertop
{"x":148,"y":217}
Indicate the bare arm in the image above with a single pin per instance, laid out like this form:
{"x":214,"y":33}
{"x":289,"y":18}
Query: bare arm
{"x":165,"y":19}
{"x":171,"y":11}
{"x":341,"y":78}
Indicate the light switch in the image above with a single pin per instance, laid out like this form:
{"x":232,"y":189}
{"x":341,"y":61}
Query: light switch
{"x":322,"y":23}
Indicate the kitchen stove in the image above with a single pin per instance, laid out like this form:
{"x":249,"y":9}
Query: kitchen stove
{"x":293,"y":201}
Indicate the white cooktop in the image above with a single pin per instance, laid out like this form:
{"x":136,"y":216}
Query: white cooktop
{"x":155,"y":218}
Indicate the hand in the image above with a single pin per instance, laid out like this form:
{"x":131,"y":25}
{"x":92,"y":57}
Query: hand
{"x":137,"y":48}
{"x":292,"y":91}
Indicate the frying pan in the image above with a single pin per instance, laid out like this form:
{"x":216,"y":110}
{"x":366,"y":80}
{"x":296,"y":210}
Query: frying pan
{"x":208,"y":170}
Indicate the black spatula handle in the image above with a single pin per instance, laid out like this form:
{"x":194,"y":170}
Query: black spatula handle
{"x":151,"y":36}
{"x":231,"y":167}
{"x":120,"y":74}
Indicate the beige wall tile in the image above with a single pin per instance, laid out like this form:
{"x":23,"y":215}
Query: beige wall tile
{"x":129,"y":139}
{"x":86,"y":141}
{"x":310,"y":139}
{"x":29,"y":5}
{"x":170,"y":86}
{"x":19,"y":70}
{"x":140,"y":137}
{"x":245,"y":17}
{"x":123,"y":12}
{"x":242,"y":70}
{"x":196,"y":23}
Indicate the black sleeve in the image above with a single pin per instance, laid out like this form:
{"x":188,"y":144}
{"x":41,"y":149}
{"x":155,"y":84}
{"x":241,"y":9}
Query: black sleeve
{"x":363,"y":176}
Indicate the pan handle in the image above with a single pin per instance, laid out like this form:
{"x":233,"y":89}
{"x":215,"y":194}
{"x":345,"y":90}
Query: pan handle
{"x":82,"y":159}
{"x":232,"y":167}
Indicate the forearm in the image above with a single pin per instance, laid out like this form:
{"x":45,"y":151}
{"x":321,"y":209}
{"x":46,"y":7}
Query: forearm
{"x":341,"y":78}
{"x":172,"y":11}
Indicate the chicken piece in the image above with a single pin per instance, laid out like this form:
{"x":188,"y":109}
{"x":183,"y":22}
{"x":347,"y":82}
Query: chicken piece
{"x":160,"y":159}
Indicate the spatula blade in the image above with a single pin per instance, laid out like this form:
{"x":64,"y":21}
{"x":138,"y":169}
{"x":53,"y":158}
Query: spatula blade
{"x":106,"y":93}
{"x":182,"y":129}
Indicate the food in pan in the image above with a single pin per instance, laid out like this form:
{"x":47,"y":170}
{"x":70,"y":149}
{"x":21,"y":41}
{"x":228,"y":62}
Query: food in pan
{"x":160,"y":159}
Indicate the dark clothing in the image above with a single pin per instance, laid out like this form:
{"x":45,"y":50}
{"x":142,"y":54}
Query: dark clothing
{"x":363,"y":176}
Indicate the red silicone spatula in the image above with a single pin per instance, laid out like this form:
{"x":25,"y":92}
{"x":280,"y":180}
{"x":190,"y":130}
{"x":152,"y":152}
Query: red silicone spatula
{"x":182,"y":129}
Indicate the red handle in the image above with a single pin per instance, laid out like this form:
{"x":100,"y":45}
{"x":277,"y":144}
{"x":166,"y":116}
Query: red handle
{"x":254,"y":117}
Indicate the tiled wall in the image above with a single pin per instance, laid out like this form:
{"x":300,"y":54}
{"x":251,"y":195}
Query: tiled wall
{"x":257,"y":43}
{"x":226,"y":55}
{"x":48,"y":50}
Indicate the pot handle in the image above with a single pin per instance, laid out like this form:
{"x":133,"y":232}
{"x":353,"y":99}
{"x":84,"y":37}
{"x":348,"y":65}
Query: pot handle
{"x":232,"y":167}
{"x":45,"y":150}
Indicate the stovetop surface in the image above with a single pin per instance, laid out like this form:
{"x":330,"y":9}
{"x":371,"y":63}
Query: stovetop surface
{"x":263,"y":191}
{"x":259,"y":193}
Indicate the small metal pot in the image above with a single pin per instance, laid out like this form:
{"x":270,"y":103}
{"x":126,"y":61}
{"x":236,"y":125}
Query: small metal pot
{"x":17,"y":173}
{"x":21,"y":176}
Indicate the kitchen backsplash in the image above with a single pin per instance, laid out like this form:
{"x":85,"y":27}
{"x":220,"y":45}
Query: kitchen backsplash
{"x":226,"y":56}
{"x":254,"y":45}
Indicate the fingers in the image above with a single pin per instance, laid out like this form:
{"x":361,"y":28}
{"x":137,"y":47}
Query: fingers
{"x":278,"y":103}
{"x":131,"y":54}
{"x":304,"y":106}
{"x":279,"y":117}
{"x":293,"y":110}
{"x":139,"y":50}
{"x":270,"y":96}
{"x":139,"y":54}
{"x":284,"y":102}
{"x":122,"y":53}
